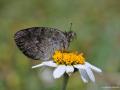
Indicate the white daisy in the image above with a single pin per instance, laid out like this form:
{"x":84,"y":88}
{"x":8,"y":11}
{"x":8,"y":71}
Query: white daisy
{"x":66,"y":62}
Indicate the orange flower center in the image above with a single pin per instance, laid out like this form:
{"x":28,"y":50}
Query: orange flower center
{"x":68,"y":58}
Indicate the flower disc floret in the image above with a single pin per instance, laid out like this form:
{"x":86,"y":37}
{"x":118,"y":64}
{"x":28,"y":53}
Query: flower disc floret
{"x":68,"y":58}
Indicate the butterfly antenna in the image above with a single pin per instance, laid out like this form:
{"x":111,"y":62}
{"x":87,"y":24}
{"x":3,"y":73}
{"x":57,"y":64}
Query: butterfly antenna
{"x":70,"y":26}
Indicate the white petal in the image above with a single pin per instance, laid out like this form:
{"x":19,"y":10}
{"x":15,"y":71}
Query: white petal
{"x":79,"y":66}
{"x":59,"y":71}
{"x":84,"y":75}
{"x":69,"y":69}
{"x":90,"y":74}
{"x":93,"y":67}
{"x":47,"y":63}
{"x":39,"y":65}
{"x":50,"y":63}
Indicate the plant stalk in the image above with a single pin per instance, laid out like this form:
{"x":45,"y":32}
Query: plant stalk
{"x":65,"y":81}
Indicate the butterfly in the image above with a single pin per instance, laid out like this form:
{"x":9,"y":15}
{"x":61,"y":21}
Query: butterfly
{"x":40,"y":43}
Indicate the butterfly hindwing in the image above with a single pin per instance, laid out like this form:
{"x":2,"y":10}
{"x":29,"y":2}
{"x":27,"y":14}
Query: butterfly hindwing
{"x":39,"y":43}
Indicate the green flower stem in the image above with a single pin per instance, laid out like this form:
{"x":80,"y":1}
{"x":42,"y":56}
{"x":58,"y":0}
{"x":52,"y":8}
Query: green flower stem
{"x":65,"y":81}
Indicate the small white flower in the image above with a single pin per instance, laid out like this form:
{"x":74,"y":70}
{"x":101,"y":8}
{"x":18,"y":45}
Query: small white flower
{"x":84,"y":68}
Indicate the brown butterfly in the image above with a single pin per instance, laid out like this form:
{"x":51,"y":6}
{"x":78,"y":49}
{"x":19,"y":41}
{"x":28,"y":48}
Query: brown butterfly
{"x":39,"y":43}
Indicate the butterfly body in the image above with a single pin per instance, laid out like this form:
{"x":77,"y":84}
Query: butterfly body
{"x":39,"y":43}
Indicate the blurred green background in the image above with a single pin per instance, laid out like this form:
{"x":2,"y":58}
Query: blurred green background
{"x":97,"y":24}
